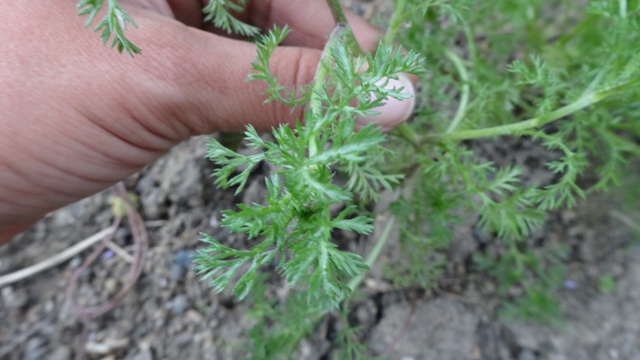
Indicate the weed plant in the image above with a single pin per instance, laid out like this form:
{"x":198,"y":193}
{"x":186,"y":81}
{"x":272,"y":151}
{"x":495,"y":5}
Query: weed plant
{"x":561,"y":74}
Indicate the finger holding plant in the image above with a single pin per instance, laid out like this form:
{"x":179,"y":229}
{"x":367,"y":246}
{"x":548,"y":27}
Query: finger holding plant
{"x":295,"y":226}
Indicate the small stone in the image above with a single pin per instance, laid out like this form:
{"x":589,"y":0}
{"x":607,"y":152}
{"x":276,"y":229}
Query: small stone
{"x":570,"y":284}
{"x":194,"y":316}
{"x":568,"y":216}
{"x":144,"y":354}
{"x":362,"y":314}
{"x":177,"y":272}
{"x":61,"y":353}
{"x":123,"y":233}
{"x":111,"y":285}
{"x":75,"y":262}
{"x":153,"y":203}
{"x":213,"y":221}
{"x":184,"y":257}
{"x":107,"y":254}
{"x":14,"y":299}
{"x":526,"y":355}
{"x":35,"y":349}
{"x":49,"y":306}
{"x":179,"y":304}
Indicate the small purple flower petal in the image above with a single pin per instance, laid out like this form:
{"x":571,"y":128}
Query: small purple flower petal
{"x":107,"y":254}
{"x":570,"y":284}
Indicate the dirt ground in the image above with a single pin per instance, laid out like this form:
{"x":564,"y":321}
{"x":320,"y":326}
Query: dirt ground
{"x":171,"y":314}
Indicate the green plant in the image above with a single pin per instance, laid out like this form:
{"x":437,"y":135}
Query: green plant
{"x":541,"y":72}
{"x":606,"y":283}
{"x":295,"y":224}
{"x":112,"y":25}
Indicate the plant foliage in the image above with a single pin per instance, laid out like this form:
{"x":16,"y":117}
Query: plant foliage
{"x":294,"y":226}
{"x":112,"y":25}
{"x":220,"y":13}
{"x":502,"y":73}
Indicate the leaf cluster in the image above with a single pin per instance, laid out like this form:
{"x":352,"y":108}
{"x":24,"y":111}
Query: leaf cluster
{"x":112,"y":25}
{"x":544,"y":73}
{"x":295,"y":225}
{"x":221,"y":13}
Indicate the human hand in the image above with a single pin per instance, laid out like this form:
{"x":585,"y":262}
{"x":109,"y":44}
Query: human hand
{"x":76,"y":116}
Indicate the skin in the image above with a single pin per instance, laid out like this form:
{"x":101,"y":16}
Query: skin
{"x":77,"y":117}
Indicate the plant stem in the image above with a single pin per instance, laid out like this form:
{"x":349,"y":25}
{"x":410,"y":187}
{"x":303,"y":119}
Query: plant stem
{"x":623,"y":8}
{"x":471,"y":44}
{"x":375,"y":252}
{"x":536,"y":122}
{"x":396,"y":20}
{"x":464,"y":98}
{"x":56,"y":259}
{"x":340,"y":18}
{"x":407,"y":134}
{"x":315,"y":103}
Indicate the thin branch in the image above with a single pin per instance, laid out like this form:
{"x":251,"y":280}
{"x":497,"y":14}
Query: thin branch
{"x":375,"y":252}
{"x":140,"y":238}
{"x":537,"y":122}
{"x":464,"y":98}
{"x":54,"y":260}
{"x":341,"y":19}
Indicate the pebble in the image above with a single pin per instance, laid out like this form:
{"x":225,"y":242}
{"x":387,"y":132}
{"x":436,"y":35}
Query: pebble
{"x":61,"y":353}
{"x":179,"y":304}
{"x":184,"y":257}
{"x":153,"y":203}
{"x":144,"y":354}
{"x":123,"y":233}
{"x":14,"y":299}
{"x":75,"y":262}
{"x":35,"y":349}
{"x":49,"y":306}
{"x":111,"y":285}
{"x":526,"y":355}
{"x":194,"y":316}
{"x":177,"y":272}
{"x":107,"y":254}
{"x":570,"y":284}
{"x":181,"y":263}
{"x":213,"y":221}
{"x":362,"y":314}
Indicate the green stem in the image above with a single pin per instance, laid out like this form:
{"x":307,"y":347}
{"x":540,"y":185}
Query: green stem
{"x":623,"y":8}
{"x":396,"y":20}
{"x":464,"y":98}
{"x":471,"y":44}
{"x":315,"y":104}
{"x":375,"y":252}
{"x":536,"y":122}
{"x":410,"y":136}
{"x":340,"y":18}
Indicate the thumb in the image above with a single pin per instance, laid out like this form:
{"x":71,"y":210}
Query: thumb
{"x":209,"y":75}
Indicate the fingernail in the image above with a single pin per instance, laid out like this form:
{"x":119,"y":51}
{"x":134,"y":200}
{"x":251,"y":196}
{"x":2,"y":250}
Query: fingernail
{"x":394,"y":112}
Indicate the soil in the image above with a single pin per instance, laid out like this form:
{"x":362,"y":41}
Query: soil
{"x":171,"y":314}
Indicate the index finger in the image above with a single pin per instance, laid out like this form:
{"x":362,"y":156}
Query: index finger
{"x":310,"y":20}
